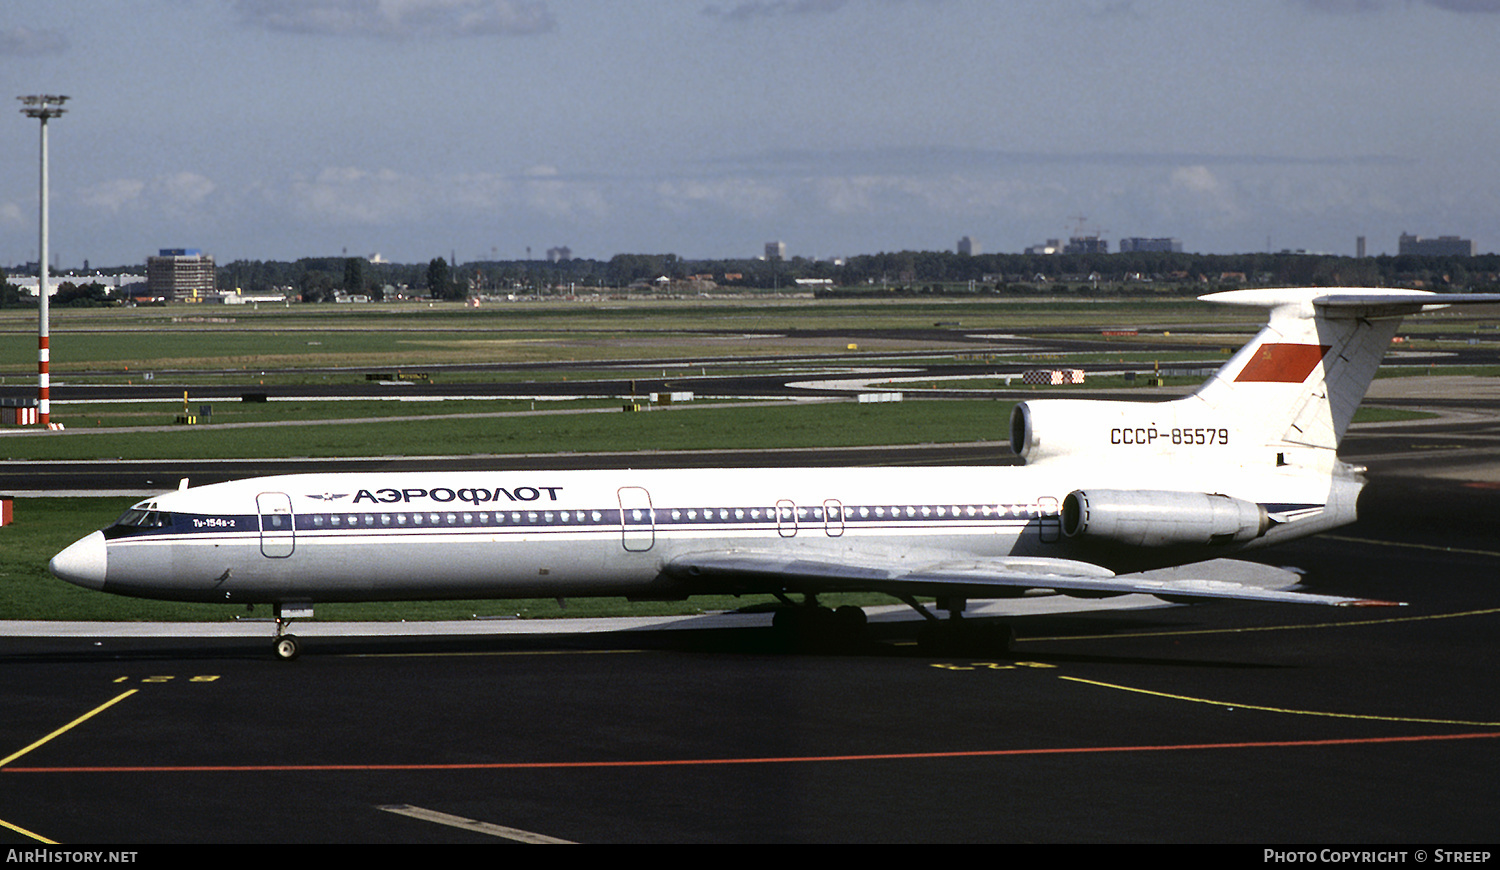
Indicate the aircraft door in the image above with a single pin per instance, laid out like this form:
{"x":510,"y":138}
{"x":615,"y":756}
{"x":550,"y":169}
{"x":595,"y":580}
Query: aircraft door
{"x":637,"y":519}
{"x":278,"y":533}
{"x":833,"y":517}
{"x":786,"y":518}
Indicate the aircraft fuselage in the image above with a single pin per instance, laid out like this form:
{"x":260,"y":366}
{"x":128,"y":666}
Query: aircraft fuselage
{"x":353,"y":537}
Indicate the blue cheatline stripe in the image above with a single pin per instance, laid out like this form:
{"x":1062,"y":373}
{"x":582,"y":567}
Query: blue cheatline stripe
{"x":885,"y":517}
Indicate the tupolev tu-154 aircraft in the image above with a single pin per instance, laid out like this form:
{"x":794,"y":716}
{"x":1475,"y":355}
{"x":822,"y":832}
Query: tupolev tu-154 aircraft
{"x":1109,"y":492}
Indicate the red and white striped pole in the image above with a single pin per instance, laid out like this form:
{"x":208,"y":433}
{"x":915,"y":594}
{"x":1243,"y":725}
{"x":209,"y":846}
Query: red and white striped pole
{"x":43,"y":107}
{"x":43,"y":378}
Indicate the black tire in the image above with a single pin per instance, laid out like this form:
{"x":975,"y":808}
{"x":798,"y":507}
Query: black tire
{"x":287,"y":647}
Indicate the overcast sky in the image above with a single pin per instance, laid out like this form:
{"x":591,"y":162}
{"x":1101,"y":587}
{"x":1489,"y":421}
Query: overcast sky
{"x":278,"y":129}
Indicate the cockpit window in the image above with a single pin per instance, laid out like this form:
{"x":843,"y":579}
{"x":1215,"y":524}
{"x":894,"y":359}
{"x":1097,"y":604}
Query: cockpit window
{"x":139,"y":518}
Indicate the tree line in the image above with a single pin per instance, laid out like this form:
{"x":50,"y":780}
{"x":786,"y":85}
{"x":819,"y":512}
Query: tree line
{"x":68,"y":294}
{"x":903,"y":271}
{"x":321,"y":279}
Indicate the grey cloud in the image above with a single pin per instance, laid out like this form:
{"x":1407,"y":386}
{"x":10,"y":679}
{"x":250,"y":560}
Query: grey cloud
{"x":25,"y":42}
{"x":1117,"y":9}
{"x":752,"y":9}
{"x":949,"y":159}
{"x":1466,"y":5}
{"x":1359,"y":6}
{"x":399,"y":19}
{"x":1344,"y":6}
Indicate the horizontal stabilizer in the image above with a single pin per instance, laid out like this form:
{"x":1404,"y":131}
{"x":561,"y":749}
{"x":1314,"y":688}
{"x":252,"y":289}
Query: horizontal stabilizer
{"x":1352,"y":301}
{"x":1400,"y":304}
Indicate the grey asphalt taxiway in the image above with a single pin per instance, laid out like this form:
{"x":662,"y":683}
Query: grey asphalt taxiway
{"x":1225,"y":722}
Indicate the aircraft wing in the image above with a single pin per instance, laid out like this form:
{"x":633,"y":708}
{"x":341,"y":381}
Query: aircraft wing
{"x":998,"y":577}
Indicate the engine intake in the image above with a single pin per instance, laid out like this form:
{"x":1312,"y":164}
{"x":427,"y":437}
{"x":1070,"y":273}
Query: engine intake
{"x":1151,"y":518}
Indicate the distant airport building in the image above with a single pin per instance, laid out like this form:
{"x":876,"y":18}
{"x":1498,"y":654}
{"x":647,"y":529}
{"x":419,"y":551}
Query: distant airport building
{"x":1161,"y":246}
{"x":1442,"y":246}
{"x":1051,"y":246}
{"x":559,"y":254}
{"x":967,"y":247}
{"x":1086,"y":245}
{"x":1359,"y":247}
{"x":180,"y":273}
{"x":775,"y":250}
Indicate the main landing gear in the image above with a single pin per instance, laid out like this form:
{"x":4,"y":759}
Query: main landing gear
{"x":287,"y":647}
{"x":810,"y":626}
{"x":956,"y":635}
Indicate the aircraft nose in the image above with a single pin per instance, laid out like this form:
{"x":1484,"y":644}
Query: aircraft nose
{"x":81,"y":563}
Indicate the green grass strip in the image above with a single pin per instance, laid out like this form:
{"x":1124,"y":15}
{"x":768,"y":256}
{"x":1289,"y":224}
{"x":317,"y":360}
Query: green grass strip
{"x":839,"y":424}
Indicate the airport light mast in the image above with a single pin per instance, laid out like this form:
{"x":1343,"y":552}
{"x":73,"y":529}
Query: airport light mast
{"x":43,"y":107}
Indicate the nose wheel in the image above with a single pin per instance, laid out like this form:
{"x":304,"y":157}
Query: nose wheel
{"x":287,"y":647}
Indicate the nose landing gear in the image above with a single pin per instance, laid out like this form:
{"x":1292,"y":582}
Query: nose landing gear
{"x":287,"y":647}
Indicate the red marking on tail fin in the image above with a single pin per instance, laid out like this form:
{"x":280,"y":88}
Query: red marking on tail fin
{"x":1281,"y":363}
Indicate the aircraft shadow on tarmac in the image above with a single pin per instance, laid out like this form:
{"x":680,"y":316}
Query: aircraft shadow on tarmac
{"x":882,"y":640}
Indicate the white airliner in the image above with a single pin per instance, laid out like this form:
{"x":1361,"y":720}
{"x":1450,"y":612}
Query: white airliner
{"x":1108,"y":488}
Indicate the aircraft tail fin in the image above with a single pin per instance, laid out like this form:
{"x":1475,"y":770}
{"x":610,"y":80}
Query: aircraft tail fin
{"x":1296,"y":385}
{"x":1303,"y":376}
{"x":1306,"y":372}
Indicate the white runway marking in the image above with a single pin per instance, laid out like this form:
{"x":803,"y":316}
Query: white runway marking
{"x":516,"y":834}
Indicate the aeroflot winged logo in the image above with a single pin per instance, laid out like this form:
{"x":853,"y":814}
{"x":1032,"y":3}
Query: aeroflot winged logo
{"x":1280,"y":363}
